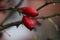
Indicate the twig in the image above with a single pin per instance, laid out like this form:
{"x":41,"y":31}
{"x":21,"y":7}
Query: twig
{"x":45,"y":5}
{"x":9,"y":15}
{"x":19,"y":4}
{"x":54,"y":15}
{"x":10,"y":25}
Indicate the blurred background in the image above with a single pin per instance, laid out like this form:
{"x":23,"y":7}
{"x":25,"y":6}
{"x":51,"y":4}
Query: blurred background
{"x":44,"y":32}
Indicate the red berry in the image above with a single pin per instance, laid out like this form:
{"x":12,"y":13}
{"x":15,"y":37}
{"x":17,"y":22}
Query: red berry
{"x":28,"y":22}
{"x":2,"y":10}
{"x":29,"y":11}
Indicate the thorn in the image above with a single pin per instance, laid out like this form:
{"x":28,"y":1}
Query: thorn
{"x":17,"y":25}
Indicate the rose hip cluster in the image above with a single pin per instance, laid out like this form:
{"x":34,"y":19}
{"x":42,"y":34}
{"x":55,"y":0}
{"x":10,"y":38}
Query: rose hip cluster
{"x":27,"y":20}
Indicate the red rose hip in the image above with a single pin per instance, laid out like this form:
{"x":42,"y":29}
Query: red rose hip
{"x":28,"y":22}
{"x":29,"y":11}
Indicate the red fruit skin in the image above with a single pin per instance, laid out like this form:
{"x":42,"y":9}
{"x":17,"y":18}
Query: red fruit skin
{"x":28,"y":22}
{"x":29,"y":11}
{"x":2,"y":10}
